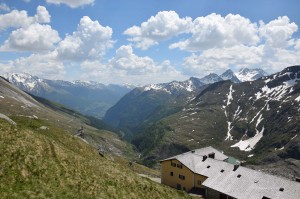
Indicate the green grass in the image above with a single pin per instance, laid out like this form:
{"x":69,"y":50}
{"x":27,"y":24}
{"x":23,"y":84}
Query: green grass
{"x":52,"y":163}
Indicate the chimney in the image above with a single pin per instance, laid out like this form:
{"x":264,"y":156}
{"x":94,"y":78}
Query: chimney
{"x":211,"y":155}
{"x":204,"y":158}
{"x":235,"y":167}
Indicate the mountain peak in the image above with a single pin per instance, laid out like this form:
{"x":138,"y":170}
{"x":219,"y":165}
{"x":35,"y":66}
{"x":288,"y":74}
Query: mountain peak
{"x":246,"y":74}
{"x":211,"y":78}
{"x":229,"y":75}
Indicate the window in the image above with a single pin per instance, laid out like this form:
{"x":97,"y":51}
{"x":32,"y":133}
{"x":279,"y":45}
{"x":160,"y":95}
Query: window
{"x":281,"y":189}
{"x":239,"y":175}
{"x":173,"y":164}
{"x":199,"y":182}
{"x":182,"y":177}
{"x":171,"y":173}
{"x":179,"y":166}
{"x":178,"y":186}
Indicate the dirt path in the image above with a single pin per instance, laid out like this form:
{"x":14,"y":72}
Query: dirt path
{"x":158,"y":180}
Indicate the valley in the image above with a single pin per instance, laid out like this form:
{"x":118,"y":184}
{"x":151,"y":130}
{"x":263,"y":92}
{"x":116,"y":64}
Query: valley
{"x":256,"y":122}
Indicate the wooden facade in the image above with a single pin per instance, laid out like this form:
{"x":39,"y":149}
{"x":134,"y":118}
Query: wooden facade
{"x":206,"y":172}
{"x":177,"y":175}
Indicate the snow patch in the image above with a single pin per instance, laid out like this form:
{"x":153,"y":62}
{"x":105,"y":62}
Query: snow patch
{"x":229,"y":96}
{"x":237,"y":113}
{"x":259,"y":120}
{"x":278,"y":92}
{"x":298,"y":98}
{"x":249,"y":144}
{"x":251,"y":155}
{"x":1,"y":97}
{"x":229,"y":136}
{"x":7,"y":119}
{"x":281,"y":148}
{"x":294,"y":137}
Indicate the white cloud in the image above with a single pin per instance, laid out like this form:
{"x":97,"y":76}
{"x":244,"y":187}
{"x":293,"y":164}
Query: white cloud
{"x":163,"y":26}
{"x":219,"y":59}
{"x":4,"y":7}
{"x":17,"y":19}
{"x":42,"y":15}
{"x":278,"y":33}
{"x":35,"y":37}
{"x":127,"y":67}
{"x":216,"y":31}
{"x":42,"y":65}
{"x":233,"y":42}
{"x":126,"y":60}
{"x":90,"y":41}
{"x":72,"y":3}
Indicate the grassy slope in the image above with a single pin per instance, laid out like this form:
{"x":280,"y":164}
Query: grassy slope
{"x":52,"y":163}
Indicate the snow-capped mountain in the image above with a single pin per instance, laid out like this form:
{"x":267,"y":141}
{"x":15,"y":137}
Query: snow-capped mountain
{"x":229,"y":75}
{"x":87,"y":97}
{"x":246,"y":74}
{"x":257,"y":121}
{"x":211,"y":78}
{"x":141,"y":103}
{"x":176,"y":87}
{"x":25,"y":81}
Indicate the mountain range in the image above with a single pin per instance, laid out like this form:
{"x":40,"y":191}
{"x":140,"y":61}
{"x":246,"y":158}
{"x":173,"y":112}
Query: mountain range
{"x":152,"y":102}
{"x":94,"y":98}
{"x":89,"y":98}
{"x":256,"y":121}
{"x":42,"y":157}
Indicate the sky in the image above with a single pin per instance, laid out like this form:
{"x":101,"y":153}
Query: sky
{"x":146,"y":41}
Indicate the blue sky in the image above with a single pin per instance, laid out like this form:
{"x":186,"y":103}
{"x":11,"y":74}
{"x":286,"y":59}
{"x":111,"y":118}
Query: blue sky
{"x":143,"y":41}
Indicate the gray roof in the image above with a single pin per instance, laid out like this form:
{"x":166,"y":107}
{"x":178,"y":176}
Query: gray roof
{"x":250,"y":184}
{"x":205,"y":151}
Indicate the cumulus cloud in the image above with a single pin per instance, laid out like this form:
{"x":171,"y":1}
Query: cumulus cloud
{"x":90,"y":41}
{"x":217,"y":60}
{"x":4,"y":7}
{"x":128,"y":67}
{"x":278,"y":33}
{"x":216,"y":31}
{"x":42,"y":65}
{"x":35,"y":37}
{"x":72,"y":3}
{"x":126,"y":60}
{"x":17,"y":19}
{"x":219,"y":43}
{"x":164,"y":25}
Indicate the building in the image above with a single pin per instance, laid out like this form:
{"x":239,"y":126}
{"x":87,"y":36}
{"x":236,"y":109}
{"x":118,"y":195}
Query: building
{"x":206,"y":172}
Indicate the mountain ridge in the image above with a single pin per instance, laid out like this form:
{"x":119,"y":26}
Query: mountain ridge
{"x":148,"y":104}
{"x":90,"y":98}
{"x":255,"y":121}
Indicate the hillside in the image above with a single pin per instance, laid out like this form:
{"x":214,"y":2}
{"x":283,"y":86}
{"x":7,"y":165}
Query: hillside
{"x":89,"y":98}
{"x":148,"y":104}
{"x":257,"y":121}
{"x":52,"y":163}
{"x":15,"y":102}
{"x":41,"y":158}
